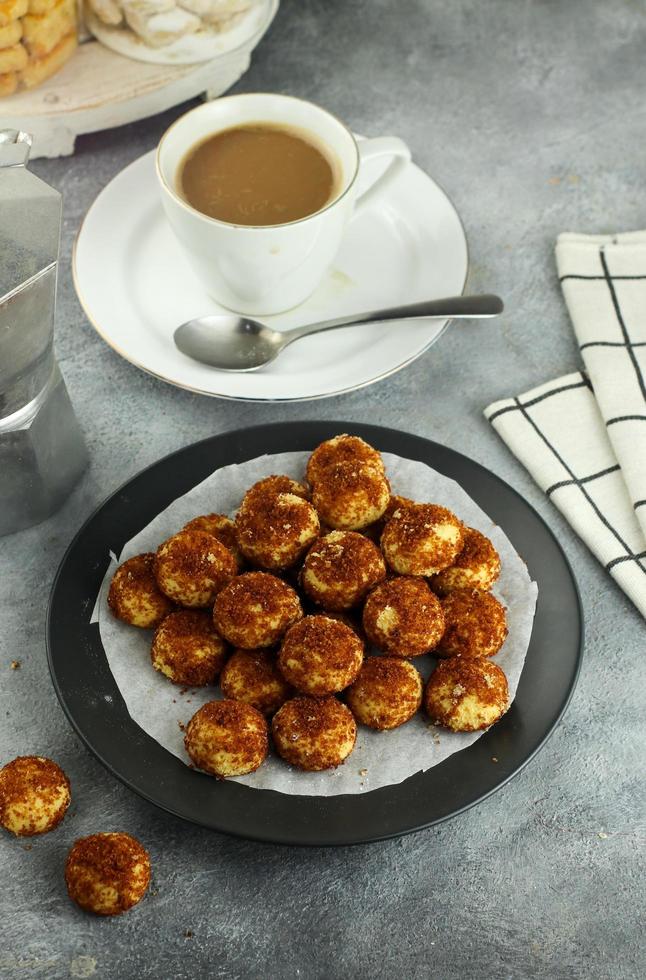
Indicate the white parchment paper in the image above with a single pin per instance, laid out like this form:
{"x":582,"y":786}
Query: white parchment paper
{"x":379,"y":758}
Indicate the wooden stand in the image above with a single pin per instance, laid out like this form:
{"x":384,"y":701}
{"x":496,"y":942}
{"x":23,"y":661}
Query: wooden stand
{"x":98,"y":89}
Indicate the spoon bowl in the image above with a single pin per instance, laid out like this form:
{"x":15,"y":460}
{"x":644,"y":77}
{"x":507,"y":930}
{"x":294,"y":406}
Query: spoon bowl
{"x":231,"y":342}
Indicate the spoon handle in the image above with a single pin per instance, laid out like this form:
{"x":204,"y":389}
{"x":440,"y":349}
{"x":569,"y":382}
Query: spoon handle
{"x":452,"y":307}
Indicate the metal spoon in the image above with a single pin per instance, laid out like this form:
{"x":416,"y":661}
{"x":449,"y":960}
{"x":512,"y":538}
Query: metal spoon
{"x":236,"y":343}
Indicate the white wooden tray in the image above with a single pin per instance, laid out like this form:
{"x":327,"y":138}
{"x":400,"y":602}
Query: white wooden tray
{"x":98,"y":89}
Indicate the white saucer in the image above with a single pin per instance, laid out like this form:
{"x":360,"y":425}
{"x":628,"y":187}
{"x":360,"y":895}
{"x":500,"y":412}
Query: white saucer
{"x":136,"y":287}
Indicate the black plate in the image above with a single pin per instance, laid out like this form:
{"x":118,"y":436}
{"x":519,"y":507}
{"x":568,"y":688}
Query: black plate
{"x":93,"y":703}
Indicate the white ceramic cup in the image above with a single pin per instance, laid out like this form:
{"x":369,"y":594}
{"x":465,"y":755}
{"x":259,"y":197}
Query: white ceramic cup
{"x":271,"y":268}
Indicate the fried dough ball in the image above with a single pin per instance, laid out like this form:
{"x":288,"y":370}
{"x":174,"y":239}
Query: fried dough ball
{"x":253,"y":677}
{"x":466,"y":695}
{"x":192,"y":567}
{"x":403,"y":617}
{"x":222,"y":528}
{"x":476,"y":567}
{"x":386,"y":694}
{"x":476,"y":625}
{"x":313,"y":733}
{"x":320,"y":656}
{"x":350,"y":497}
{"x":187,"y":649}
{"x":227,"y":738}
{"x":255,"y":610}
{"x":274,"y":530}
{"x":134,"y":595}
{"x":277,"y":484}
{"x":34,"y":795}
{"x":421,"y":539}
{"x":107,"y":873}
{"x":340,"y":569}
{"x":343,"y":448}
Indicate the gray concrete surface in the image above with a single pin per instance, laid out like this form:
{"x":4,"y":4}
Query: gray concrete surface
{"x":532,"y":115}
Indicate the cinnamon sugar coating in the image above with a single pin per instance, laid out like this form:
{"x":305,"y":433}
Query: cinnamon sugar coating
{"x":314,"y":733}
{"x":252,"y":676}
{"x":277,"y":484}
{"x":476,"y":624}
{"x":466,"y":695}
{"x":34,"y":795}
{"x":350,"y":497}
{"x":342,"y":448}
{"x":134,"y":595}
{"x":107,"y":873}
{"x":222,"y":528}
{"x":187,"y":649}
{"x":340,"y":569}
{"x":386,"y":694}
{"x":476,"y":567}
{"x":421,"y":539}
{"x":192,"y":567}
{"x":403,"y":617}
{"x":374,"y":531}
{"x":255,"y":610}
{"x":320,"y":656}
{"x":227,"y":738}
{"x":275,"y":529}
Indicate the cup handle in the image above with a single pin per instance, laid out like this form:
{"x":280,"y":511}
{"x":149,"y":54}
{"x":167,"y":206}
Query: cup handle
{"x":382,"y":146}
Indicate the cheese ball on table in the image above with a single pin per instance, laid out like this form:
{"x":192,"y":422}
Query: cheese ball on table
{"x":222,"y":528}
{"x":386,"y":694}
{"x":476,"y":567}
{"x":340,"y":449}
{"x":340,"y":569}
{"x":34,"y":795}
{"x":227,"y":738}
{"x":192,"y":567}
{"x":320,"y":656}
{"x":314,"y":734}
{"x":107,"y":873}
{"x":253,"y":677}
{"x":349,"y":497}
{"x":422,"y":539}
{"x":274,"y":530}
{"x":187,"y":649}
{"x":134,"y":595}
{"x":255,"y":610}
{"x":403,"y":617}
{"x":466,"y":695}
{"x":476,"y":625}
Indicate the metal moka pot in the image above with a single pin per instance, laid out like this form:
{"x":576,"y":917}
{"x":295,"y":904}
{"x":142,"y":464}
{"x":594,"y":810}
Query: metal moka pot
{"x":42,"y":452}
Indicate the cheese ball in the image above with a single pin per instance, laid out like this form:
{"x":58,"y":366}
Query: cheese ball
{"x":34,"y":795}
{"x":466,"y":695}
{"x":107,"y":873}
{"x":343,"y":448}
{"x":374,"y":531}
{"x":255,"y":610}
{"x":314,"y":734}
{"x":274,"y":530}
{"x":476,"y":567}
{"x":340,"y":569}
{"x":421,"y":539}
{"x":320,"y":656}
{"x":476,"y":625}
{"x":222,"y":528}
{"x":192,"y":567}
{"x":134,"y":595}
{"x":253,"y":677}
{"x":349,"y":497}
{"x":386,"y":694}
{"x":187,"y":649}
{"x":403,"y":617}
{"x":227,"y":738}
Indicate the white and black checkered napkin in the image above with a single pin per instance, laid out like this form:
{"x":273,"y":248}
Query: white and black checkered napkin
{"x":584,"y":441}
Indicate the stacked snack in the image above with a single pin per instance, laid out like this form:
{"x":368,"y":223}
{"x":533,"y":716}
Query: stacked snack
{"x":411,"y":573}
{"x":37,"y":37}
